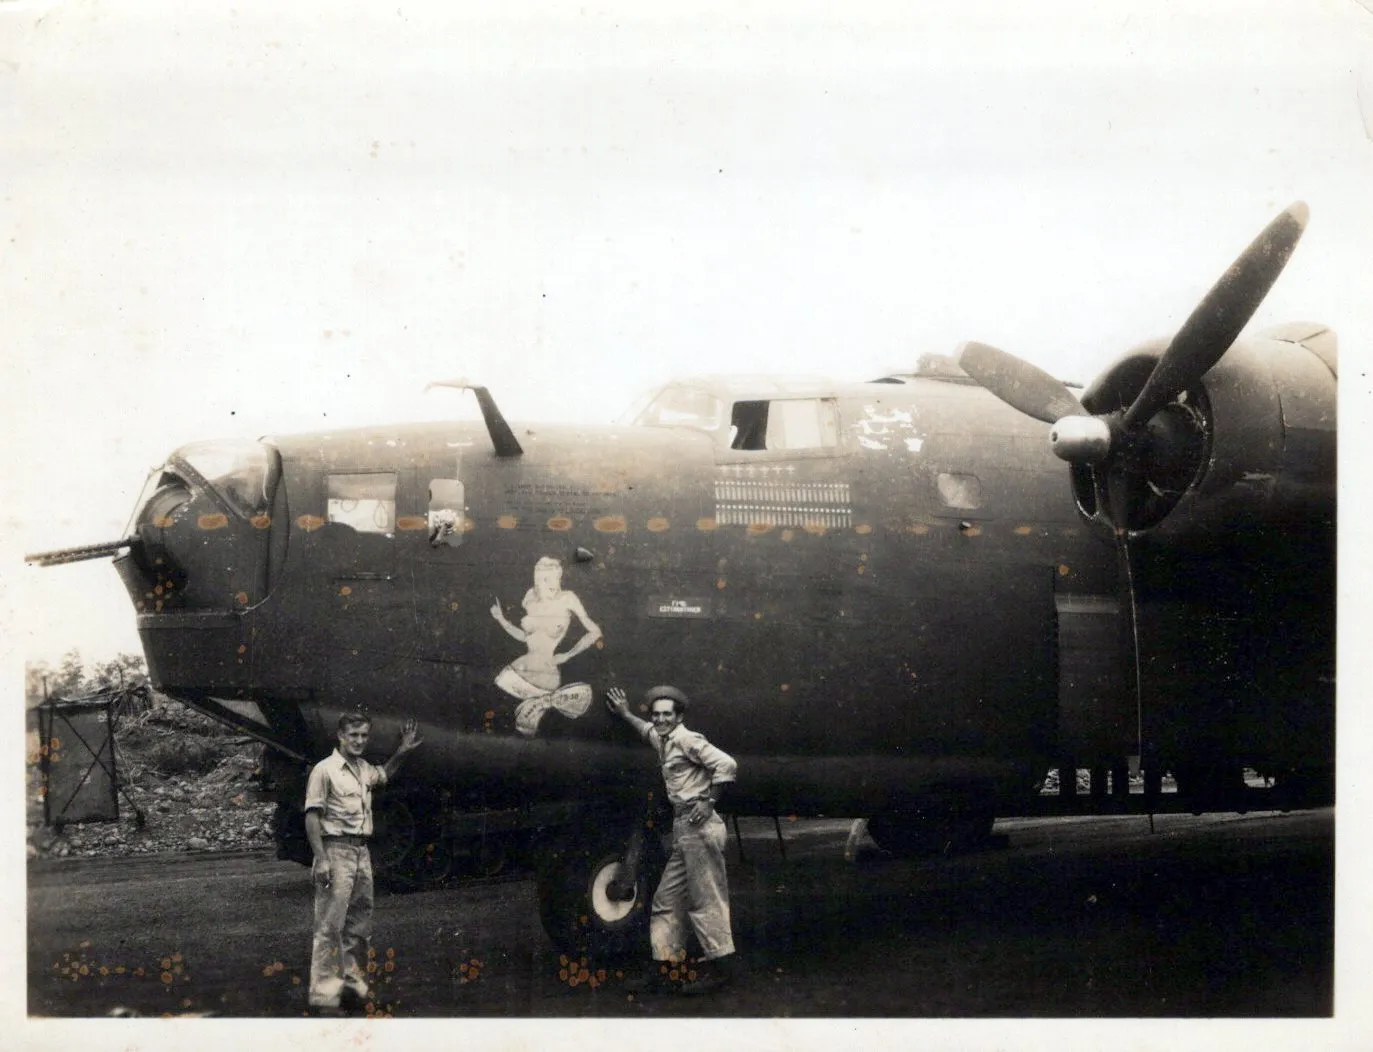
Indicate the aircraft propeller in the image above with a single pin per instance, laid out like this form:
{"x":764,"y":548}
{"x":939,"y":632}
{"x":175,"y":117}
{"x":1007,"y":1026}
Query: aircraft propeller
{"x":1147,"y":445}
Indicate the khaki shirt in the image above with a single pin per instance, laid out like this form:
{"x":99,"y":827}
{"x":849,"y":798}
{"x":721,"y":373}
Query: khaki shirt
{"x":691,"y":765}
{"x":343,"y":795}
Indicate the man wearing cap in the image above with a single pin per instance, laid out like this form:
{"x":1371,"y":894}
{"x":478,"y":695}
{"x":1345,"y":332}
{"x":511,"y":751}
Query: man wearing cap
{"x":693,"y":893}
{"x":338,"y":822}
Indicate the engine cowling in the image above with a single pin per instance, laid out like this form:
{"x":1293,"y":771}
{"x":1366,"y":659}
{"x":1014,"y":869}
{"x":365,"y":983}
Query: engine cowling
{"x":1251,"y":444}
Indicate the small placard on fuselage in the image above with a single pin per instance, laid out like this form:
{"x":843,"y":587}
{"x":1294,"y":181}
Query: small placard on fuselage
{"x":674,"y":606}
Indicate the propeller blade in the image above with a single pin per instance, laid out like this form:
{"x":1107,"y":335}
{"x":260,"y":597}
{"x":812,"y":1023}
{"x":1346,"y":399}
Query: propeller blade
{"x":1018,"y":383}
{"x":1212,"y":327}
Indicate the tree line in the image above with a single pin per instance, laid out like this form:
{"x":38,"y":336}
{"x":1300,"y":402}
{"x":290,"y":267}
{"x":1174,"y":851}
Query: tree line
{"x":74,"y":677}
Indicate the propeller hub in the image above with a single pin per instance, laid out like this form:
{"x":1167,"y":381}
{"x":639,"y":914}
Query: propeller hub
{"x":1081,"y":439}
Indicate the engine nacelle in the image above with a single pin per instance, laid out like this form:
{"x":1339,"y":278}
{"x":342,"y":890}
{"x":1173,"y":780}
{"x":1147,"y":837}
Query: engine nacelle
{"x":1253,"y":445}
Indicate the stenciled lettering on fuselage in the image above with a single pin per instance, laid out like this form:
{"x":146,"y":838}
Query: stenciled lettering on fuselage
{"x":758,"y":498}
{"x":534,"y":678}
{"x":548,"y":497}
{"x":694,"y":607}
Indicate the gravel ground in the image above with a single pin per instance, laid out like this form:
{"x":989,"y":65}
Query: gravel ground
{"x":193,"y":784}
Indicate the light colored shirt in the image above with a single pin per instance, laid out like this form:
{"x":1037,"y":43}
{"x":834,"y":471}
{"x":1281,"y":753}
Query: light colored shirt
{"x":342,"y":792}
{"x":691,"y":765}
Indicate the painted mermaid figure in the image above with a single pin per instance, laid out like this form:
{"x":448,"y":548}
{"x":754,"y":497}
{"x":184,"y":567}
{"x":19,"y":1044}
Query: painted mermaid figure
{"x":535,"y":678}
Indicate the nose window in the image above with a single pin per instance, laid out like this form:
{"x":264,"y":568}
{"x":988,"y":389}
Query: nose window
{"x":243,"y":473}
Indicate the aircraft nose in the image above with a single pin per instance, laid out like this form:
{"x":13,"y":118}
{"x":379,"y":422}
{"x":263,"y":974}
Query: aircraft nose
{"x":204,"y":524}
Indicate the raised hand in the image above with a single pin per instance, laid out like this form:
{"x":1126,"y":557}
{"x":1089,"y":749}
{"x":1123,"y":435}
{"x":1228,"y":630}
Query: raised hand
{"x":617,"y":702}
{"x":410,"y":735}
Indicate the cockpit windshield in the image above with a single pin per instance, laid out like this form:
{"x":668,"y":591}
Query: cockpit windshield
{"x":677,"y":406}
{"x":243,"y":472}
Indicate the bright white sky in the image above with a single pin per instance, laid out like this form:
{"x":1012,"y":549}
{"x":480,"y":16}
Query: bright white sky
{"x":263,"y":217}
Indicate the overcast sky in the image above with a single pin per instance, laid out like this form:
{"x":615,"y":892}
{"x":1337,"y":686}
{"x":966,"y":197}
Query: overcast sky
{"x":270,"y":217}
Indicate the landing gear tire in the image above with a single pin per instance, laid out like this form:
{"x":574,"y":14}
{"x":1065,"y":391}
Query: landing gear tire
{"x":408,"y":852}
{"x":577,"y":906}
{"x":931,"y":830}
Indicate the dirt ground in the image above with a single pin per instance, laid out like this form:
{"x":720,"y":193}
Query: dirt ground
{"x":1219,"y":916}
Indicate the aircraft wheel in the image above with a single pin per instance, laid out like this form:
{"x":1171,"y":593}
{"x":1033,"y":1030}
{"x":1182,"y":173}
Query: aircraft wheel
{"x":576,"y":907}
{"x":931,"y":830}
{"x":407,"y":851}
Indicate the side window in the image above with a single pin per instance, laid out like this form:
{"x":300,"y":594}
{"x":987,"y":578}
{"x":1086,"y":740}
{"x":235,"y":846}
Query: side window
{"x":785,"y":423}
{"x":365,"y":502}
{"x":447,"y":512}
{"x":959,"y":490}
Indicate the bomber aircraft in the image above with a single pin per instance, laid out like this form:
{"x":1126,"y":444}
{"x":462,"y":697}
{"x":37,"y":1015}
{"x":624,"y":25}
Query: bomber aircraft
{"x":907,"y":599}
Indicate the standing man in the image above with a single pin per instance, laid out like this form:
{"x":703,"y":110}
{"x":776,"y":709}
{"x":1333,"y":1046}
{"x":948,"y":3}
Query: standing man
{"x":338,"y":821}
{"x":694,"y":887}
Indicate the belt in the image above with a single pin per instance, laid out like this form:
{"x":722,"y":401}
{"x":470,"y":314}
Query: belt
{"x":679,"y":810}
{"x":347,"y":838}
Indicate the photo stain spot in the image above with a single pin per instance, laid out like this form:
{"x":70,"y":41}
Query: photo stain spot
{"x":706,"y":525}
{"x":309,"y":523}
{"x":560,"y":523}
{"x":611,"y":524}
{"x":864,"y":529}
{"x":1024,"y":531}
{"x":658,"y":524}
{"x":215,"y":521}
{"x":261,"y":522}
{"x":507,"y":522}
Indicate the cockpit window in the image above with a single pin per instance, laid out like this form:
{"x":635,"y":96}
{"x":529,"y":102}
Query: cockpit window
{"x":785,"y":423}
{"x":675,"y":406}
{"x":243,"y":472}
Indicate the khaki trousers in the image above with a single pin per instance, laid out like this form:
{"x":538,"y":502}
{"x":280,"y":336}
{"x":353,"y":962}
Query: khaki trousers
{"x":343,"y":923}
{"x":693,"y":894}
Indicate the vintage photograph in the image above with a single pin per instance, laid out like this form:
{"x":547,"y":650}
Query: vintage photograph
{"x":785,"y":524}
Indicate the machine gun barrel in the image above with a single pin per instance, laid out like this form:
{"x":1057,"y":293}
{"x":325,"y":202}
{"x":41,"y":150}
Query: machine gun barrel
{"x":81,"y":554}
